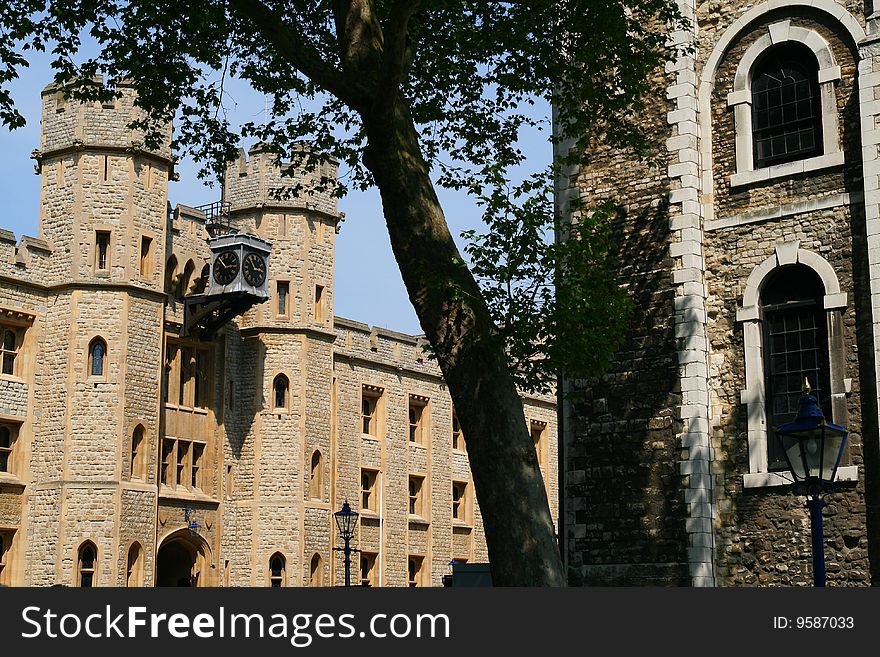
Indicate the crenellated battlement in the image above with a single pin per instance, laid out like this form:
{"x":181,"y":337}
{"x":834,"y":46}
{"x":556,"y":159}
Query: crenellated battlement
{"x":70,"y":124}
{"x":256,"y":180}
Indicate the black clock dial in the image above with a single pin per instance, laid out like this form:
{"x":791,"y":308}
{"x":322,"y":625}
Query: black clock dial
{"x":226,"y":267}
{"x":254,"y":269}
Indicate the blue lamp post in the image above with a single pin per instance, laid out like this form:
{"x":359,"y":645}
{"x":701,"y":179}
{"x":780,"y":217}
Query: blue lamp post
{"x":346,"y":521}
{"x":813,"y":448}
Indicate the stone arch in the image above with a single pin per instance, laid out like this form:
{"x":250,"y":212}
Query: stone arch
{"x":170,"y":274}
{"x":134,"y":565}
{"x":833,"y":11}
{"x":186,"y":278}
{"x":753,"y":396}
{"x":184,"y":559}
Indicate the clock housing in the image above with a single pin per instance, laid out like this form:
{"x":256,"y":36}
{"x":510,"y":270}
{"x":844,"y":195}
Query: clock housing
{"x":239,"y":264}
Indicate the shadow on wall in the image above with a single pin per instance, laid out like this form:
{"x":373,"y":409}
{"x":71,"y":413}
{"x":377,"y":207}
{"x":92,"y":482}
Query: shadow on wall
{"x":626,"y":512}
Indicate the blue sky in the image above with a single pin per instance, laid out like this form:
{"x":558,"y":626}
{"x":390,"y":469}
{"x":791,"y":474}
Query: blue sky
{"x":368,"y":284}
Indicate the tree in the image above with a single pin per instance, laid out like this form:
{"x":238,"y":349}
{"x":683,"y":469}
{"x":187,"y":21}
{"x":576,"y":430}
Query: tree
{"x":409,"y":94}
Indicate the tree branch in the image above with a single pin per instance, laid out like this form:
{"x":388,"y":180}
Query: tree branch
{"x":395,"y":55}
{"x":295,"y":48}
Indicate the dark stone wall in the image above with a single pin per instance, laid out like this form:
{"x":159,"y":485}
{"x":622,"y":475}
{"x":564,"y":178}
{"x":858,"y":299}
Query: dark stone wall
{"x":624,"y":501}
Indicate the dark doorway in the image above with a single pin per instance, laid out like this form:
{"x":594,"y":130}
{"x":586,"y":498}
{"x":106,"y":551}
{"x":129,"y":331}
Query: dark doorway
{"x":175,"y":564}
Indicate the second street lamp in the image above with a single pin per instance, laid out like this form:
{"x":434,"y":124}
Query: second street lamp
{"x":812,"y":448}
{"x":346,"y":522}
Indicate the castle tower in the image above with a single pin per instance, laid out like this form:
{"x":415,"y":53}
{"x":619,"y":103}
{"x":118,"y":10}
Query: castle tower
{"x":752,"y":259}
{"x":93,"y":471}
{"x":279,"y":436}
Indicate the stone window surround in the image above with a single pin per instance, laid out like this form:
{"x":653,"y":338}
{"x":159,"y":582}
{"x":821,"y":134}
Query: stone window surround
{"x":78,"y":553}
{"x":741,"y":101}
{"x":90,"y":364}
{"x":834,"y":303}
{"x":281,"y":578}
{"x":280,"y":379}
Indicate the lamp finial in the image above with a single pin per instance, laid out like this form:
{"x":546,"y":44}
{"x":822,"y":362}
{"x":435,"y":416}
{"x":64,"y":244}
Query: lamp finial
{"x":806,"y":389}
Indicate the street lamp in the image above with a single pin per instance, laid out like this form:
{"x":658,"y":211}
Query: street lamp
{"x":346,"y":521}
{"x":812,"y":448}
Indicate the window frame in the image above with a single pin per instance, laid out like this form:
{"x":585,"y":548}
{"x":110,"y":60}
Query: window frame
{"x":80,"y":570}
{"x":417,"y":428}
{"x":103,"y":251}
{"x":280,"y":378}
{"x":416,"y":507}
{"x":461,"y":507}
{"x":415,"y":579}
{"x":316,"y":475}
{"x":185,"y":473}
{"x":282,"y":299}
{"x":372,"y":575}
{"x":11,"y":452}
{"x":374,"y":395}
{"x":368,"y":495}
{"x":458,"y":442}
{"x":10,"y":355}
{"x":740,"y":99}
{"x":753,"y":395}
{"x":93,"y":343}
{"x":278,"y":581}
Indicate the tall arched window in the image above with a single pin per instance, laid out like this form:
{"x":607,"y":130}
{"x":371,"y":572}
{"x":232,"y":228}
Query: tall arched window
{"x":138,"y":451}
{"x":316,"y":472}
{"x":277,"y":571}
{"x":795,"y":347}
{"x":188,"y":270}
{"x":316,"y":570}
{"x":786,"y":109}
{"x":97,"y":356}
{"x":170,"y":275}
{"x":87,"y":563}
{"x":280,"y":388}
{"x":135,"y":566}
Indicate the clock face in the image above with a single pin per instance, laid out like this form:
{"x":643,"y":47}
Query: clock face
{"x":226,"y":267}
{"x":254,"y":269}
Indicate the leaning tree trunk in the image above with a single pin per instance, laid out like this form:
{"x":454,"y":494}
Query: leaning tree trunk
{"x":452,"y":313}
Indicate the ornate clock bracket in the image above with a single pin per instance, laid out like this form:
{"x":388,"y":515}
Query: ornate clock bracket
{"x":205,"y":315}
{"x":239,"y":279}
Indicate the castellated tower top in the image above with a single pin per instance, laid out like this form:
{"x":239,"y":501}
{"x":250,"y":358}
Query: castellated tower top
{"x":255,"y":180}
{"x":72,"y":124}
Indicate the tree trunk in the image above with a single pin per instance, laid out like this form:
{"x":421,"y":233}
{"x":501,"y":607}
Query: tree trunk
{"x":519,"y":529}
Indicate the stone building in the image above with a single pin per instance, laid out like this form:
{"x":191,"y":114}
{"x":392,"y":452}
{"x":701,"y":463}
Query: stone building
{"x":133,"y":453}
{"x":753,"y":257}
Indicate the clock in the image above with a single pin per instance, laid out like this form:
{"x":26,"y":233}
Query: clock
{"x":254,"y":269}
{"x":226,"y":267}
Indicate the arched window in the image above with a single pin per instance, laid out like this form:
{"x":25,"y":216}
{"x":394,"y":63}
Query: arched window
{"x":170,"y":275}
{"x":280,"y":388}
{"x":316,"y":472}
{"x":277,"y":571}
{"x":137,"y":452}
{"x":795,"y":347}
{"x":135,"y":568}
{"x":316,"y":571}
{"x":786,"y":109}
{"x":792,"y":329}
{"x":97,"y":356}
{"x":188,"y":270}
{"x":87,"y":562}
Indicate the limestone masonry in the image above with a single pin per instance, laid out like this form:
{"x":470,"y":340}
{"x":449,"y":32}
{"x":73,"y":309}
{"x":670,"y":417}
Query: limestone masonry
{"x":132,"y":456}
{"x":753,"y":256}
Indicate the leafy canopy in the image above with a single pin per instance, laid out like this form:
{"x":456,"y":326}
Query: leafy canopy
{"x":470,"y":74}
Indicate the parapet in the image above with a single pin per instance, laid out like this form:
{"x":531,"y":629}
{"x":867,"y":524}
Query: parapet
{"x":70,"y":124}
{"x":255,"y":181}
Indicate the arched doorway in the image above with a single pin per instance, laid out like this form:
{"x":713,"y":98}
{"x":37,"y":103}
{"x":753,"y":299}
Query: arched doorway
{"x":183,"y":560}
